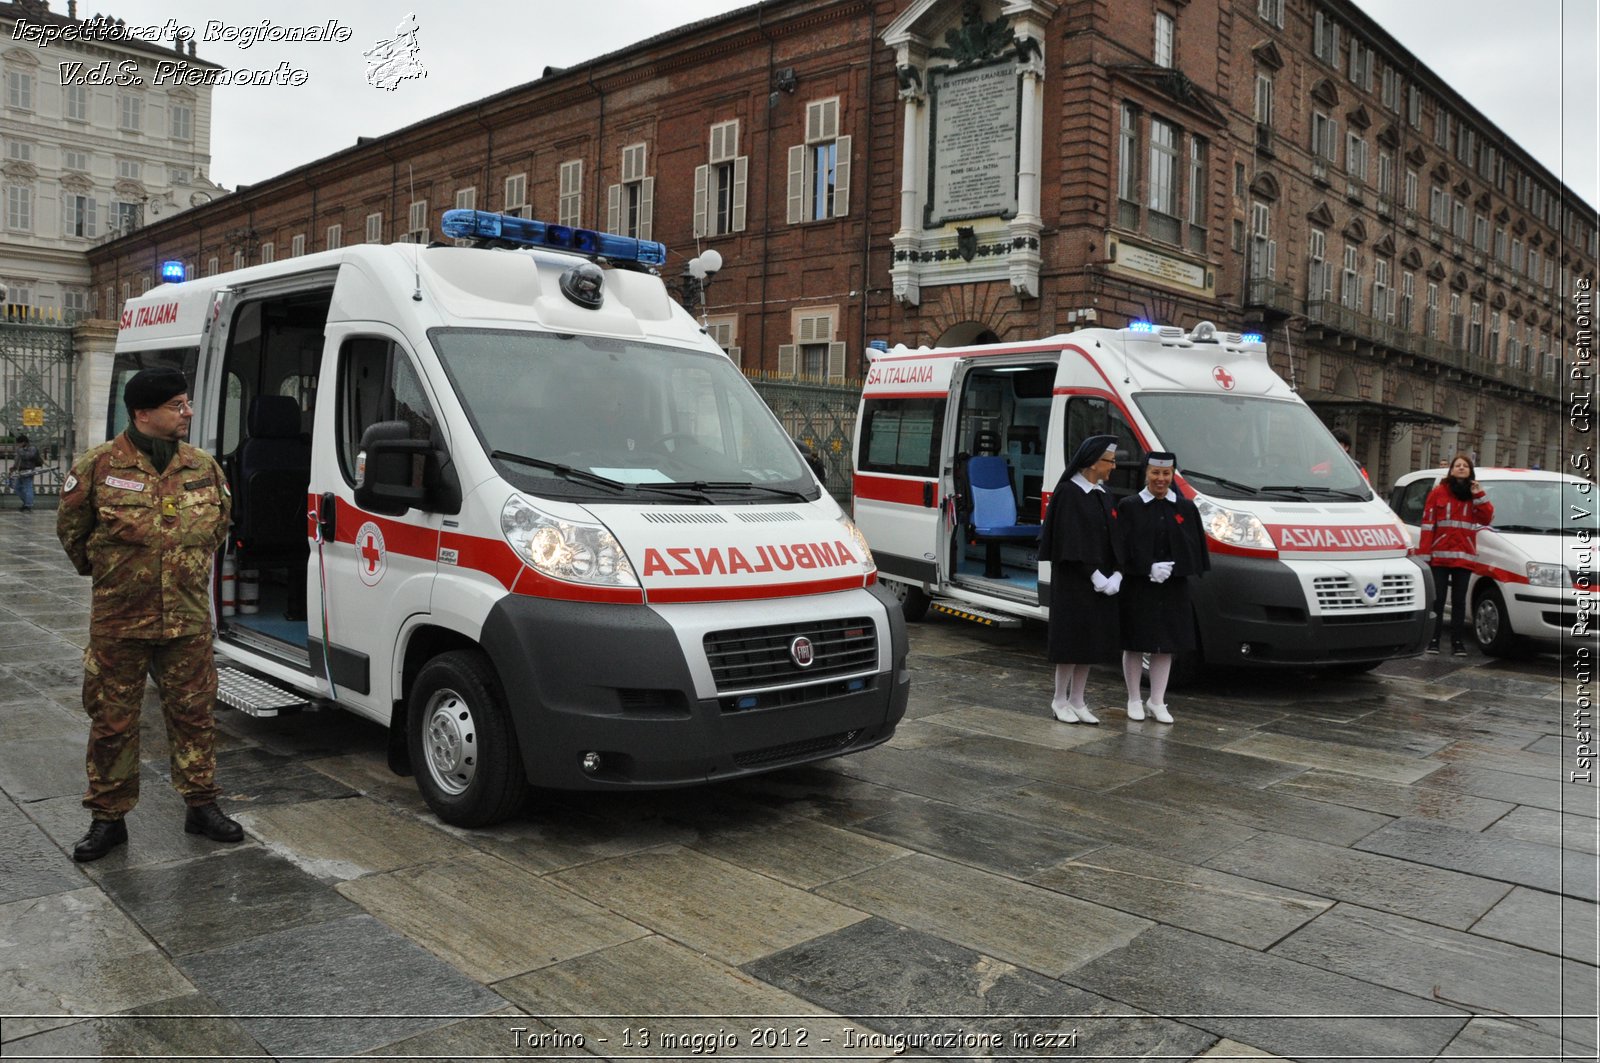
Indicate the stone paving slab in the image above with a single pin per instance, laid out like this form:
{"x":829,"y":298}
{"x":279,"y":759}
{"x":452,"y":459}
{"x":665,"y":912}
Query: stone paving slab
{"x":1001,"y":723}
{"x":994,"y":842}
{"x":36,"y":717}
{"x":1261,"y":809}
{"x":1371,"y":731}
{"x":308,"y":990}
{"x":1515,"y":761}
{"x":145,"y":1033}
{"x":36,"y":769}
{"x":1543,"y":921}
{"x":155,"y":830}
{"x":731,"y":914}
{"x":916,"y":772}
{"x":1433,"y":963}
{"x":1390,"y":799}
{"x":34,"y":865}
{"x":1549,"y":792}
{"x":487,"y":918}
{"x":1282,"y":1007}
{"x":1446,"y":897}
{"x":237,"y":893}
{"x":505,"y":1034}
{"x":347,"y":838}
{"x":1368,"y":763}
{"x":1001,"y":917}
{"x":1541,"y":826}
{"x":801,"y":852}
{"x":1241,"y":910}
{"x":1524,"y":863}
{"x":909,"y":984}
{"x":1502,"y":1038}
{"x":250,"y":776}
{"x":1151,"y":749}
{"x":1078,"y":766}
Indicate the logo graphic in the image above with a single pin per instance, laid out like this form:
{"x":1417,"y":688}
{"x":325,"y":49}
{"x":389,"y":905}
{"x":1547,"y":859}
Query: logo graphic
{"x":1223,"y":378}
{"x":1371,"y":593}
{"x":371,"y":557}
{"x":392,"y":61}
{"x":801,"y":652}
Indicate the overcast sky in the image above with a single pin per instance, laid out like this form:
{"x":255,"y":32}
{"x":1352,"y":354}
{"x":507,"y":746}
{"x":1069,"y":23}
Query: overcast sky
{"x":1529,"y":66}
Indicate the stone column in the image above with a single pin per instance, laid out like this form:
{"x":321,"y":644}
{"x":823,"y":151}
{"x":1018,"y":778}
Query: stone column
{"x":93,"y":342}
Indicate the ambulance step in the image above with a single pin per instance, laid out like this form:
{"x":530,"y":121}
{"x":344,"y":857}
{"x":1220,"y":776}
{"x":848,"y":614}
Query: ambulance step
{"x":253,"y":695}
{"x":977,"y":616}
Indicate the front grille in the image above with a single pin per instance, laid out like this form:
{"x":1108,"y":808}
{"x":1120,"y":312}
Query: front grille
{"x":1340,"y":593}
{"x":811,"y":747}
{"x":751,"y":657}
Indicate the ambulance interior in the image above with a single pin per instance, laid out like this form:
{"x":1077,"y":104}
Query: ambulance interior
{"x":270,"y":375}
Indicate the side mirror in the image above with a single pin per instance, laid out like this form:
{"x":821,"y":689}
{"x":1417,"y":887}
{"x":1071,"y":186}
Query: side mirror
{"x":384,"y":469}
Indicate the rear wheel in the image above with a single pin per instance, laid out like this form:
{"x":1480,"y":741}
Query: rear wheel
{"x":463,"y":748}
{"x":1490,"y":623}
{"x":913,"y":601}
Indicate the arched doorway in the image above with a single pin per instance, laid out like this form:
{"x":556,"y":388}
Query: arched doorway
{"x":967,"y":334}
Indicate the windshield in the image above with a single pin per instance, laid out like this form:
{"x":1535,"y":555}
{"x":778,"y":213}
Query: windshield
{"x":1247,"y":446}
{"x":1537,"y":507}
{"x":596,"y":418}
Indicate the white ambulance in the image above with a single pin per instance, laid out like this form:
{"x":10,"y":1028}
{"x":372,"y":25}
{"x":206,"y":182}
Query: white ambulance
{"x":957,"y":450}
{"x":521,"y":509}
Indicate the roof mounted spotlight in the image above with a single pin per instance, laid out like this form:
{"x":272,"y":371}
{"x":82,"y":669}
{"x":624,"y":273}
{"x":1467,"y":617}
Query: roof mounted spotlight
{"x":585,"y":285}
{"x":1205,"y":332}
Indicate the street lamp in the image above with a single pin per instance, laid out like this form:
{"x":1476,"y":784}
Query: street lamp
{"x":697,"y":278}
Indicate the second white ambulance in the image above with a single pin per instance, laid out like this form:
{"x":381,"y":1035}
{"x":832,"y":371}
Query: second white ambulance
{"x":1309,"y":567}
{"x":523,"y":511}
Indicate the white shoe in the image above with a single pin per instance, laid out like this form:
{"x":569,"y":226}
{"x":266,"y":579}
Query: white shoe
{"x":1084,"y":715}
{"x":1160,"y":713}
{"x":1063,"y":712}
{"x":1135,"y":710}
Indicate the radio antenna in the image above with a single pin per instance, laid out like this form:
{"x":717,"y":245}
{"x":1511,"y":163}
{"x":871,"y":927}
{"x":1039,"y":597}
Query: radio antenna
{"x":411,"y":181}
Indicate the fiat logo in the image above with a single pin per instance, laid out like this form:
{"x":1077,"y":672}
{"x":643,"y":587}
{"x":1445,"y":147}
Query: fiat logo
{"x":802,"y":652}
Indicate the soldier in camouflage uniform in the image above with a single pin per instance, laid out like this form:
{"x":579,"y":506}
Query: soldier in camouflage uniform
{"x":144,"y":514}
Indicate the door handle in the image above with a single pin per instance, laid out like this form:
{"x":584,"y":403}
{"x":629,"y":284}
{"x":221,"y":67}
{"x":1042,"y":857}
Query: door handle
{"x":927,"y":494}
{"x":327,"y":511}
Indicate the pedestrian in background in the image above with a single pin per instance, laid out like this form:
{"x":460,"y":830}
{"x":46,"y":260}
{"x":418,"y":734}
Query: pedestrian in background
{"x":25,"y":461}
{"x":1160,"y":547}
{"x":144,"y":515}
{"x":1451,"y":516}
{"x":1076,"y":540}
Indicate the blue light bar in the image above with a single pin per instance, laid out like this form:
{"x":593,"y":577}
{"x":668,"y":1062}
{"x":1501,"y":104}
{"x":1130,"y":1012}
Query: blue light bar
{"x":1252,"y":337}
{"x":172,"y":272}
{"x":1143,"y":326}
{"x":467,"y":224}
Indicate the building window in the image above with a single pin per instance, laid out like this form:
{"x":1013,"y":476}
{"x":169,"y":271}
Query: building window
{"x":569,"y":205}
{"x":719,"y":184}
{"x":212,"y":266}
{"x":1350,"y":280}
{"x":1263,"y":249}
{"x":819,"y":169}
{"x":19,"y":293}
{"x":297,"y":245}
{"x":20,"y":150}
{"x":179,"y":175}
{"x":1458,"y":219}
{"x":466,"y":199}
{"x":1128,"y":168}
{"x":814,"y":354}
{"x":1360,"y":65}
{"x":1197,"y":195}
{"x":1163,"y":199}
{"x":1533,"y":264}
{"x":516,"y":197}
{"x":1324,"y":138}
{"x":1411,"y":189}
{"x":1413,"y":107}
{"x":1325,"y":40}
{"x":130,"y":169}
{"x":417,"y":222}
{"x":1458,"y":323}
{"x":334,"y":237}
{"x":269,"y":252}
{"x":1430,"y":313}
{"x":131,"y":109}
{"x":78,"y":215}
{"x":19,"y":90}
{"x":1263,"y":99}
{"x":1517,"y":262}
{"x":1513,"y":348}
{"x":724,"y":332}
{"x":1382,"y":294}
{"x":1319,"y":272}
{"x":1441,"y":127}
{"x":1494,"y":335}
{"x":75,"y":102}
{"x":1475,"y":334}
{"x":1500,"y":255}
{"x":1391,"y":88}
{"x":1271,"y":11}
{"x":129,"y":216}
{"x":19,"y":208}
{"x":73,"y":159}
{"x":1355,"y":157}
{"x":630,"y":204}
{"x":75,"y":301}
{"x":1385,"y":175}
{"x":1408,"y":291}
{"x":238,"y":263}
{"x":375,"y":227}
{"x":180,"y":121}
{"x":1164,"y":32}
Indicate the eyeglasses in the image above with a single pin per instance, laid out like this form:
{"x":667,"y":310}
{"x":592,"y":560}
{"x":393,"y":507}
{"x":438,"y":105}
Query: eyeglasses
{"x":178,"y":405}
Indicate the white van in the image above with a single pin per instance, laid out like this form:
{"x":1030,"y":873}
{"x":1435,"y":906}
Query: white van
{"x":1309,"y":567}
{"x":522,"y":510}
{"x":1534,"y":578}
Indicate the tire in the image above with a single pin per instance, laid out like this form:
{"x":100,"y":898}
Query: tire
{"x":1490,"y":623}
{"x":913,"y":601}
{"x":463,"y":748}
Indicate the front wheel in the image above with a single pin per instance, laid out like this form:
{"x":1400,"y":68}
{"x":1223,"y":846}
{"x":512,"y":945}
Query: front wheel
{"x":463,"y":747}
{"x":913,"y":601}
{"x":1490,"y":623}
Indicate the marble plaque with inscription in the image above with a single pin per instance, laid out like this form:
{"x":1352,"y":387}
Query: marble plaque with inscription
{"x":972,"y":160}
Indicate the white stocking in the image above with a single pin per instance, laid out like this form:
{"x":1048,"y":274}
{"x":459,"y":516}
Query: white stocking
{"x":1132,"y":672}
{"x":1160,"y":672}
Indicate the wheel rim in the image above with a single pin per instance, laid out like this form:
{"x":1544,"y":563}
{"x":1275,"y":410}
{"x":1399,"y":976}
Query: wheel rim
{"x":900,"y":590}
{"x":450,"y":737}
{"x":1486,"y":621}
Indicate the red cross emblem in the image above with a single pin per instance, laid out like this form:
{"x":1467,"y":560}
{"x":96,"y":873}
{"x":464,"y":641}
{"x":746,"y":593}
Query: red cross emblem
{"x":370,"y":554}
{"x":1223,"y":378}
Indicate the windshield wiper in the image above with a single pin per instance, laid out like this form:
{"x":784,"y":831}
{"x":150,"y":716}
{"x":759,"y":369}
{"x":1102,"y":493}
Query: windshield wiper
{"x":566,"y":472}
{"x":1214,"y":478}
{"x":703,"y":486}
{"x":1316,"y":489}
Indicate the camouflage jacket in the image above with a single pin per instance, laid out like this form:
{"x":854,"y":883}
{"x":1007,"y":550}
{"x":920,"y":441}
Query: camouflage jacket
{"x":149,"y":539}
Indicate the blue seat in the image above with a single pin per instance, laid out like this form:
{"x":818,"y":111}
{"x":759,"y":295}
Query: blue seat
{"x":994,"y":510}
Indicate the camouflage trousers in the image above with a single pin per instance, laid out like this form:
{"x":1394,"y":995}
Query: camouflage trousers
{"x":114,"y":673}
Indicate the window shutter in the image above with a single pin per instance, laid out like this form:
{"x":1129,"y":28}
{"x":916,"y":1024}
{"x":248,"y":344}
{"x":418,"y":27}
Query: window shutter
{"x":797,"y":184}
{"x":835,"y":363}
{"x":633,"y":160}
{"x":1272,"y":259}
{"x":613,"y":208}
{"x":647,"y":206}
{"x":841,"y":178}
{"x":741,"y":174}
{"x":786,"y":359}
{"x":702,"y":176}
{"x":813,"y":329}
{"x":736,"y":356}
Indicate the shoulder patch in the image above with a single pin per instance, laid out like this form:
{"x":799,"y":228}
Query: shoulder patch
{"x":71,"y":482}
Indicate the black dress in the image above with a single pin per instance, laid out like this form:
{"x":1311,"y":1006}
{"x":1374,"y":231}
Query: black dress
{"x":1076,"y":540}
{"x":1157,"y":617}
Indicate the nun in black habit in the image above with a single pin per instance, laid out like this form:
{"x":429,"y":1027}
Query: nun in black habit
{"x":1077,"y":541}
{"x":1160,"y":545}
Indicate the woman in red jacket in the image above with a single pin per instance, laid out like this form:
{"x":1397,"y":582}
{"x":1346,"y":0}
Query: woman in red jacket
{"x":1451,"y":517}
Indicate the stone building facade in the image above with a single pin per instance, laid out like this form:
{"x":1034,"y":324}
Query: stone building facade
{"x":958,"y":171}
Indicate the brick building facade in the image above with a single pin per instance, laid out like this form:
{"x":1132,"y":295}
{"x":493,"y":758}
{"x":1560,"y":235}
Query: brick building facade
{"x":1278,"y":165}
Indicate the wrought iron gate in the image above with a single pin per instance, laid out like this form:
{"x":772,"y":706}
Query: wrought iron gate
{"x":821,"y":417}
{"x":38,"y":379}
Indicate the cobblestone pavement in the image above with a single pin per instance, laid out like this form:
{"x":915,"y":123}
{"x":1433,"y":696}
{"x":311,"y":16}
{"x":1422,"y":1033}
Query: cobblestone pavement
{"x":1383,"y":865}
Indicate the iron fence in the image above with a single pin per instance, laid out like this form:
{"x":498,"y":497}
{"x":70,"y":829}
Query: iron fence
{"x":821,"y":417}
{"x":38,"y":381}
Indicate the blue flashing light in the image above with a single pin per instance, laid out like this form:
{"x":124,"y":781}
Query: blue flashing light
{"x":746,"y":702}
{"x":173,"y":272}
{"x":1143,"y":326}
{"x":878,"y":345}
{"x":467,"y":224}
{"x":1252,"y":337}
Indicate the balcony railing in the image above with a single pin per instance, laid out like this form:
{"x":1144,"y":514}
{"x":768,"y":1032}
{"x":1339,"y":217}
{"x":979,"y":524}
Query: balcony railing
{"x":1342,"y":319}
{"x":1268,"y":294}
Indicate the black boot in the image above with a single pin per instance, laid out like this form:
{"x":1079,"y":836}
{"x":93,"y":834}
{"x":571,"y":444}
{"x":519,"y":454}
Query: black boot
{"x":209,"y":820}
{"x":104,"y":835}
{"x":1433,"y":644}
{"x":1457,"y":647}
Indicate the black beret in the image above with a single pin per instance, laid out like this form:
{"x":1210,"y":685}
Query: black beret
{"x":1090,"y":450}
{"x":149,"y":388}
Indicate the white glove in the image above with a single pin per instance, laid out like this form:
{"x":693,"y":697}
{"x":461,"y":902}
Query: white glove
{"x":1161,"y":571}
{"x":1113,"y":584}
{"x":1099,"y":580}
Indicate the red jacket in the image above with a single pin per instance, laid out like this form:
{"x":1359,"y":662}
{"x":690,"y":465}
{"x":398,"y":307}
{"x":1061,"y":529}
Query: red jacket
{"x":1450,"y":527}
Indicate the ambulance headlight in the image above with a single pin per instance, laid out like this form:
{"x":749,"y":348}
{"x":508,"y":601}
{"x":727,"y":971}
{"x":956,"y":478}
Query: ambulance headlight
{"x":860,"y":540}
{"x":574,"y":551}
{"x":1541,"y":574}
{"x":1233,"y":527}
